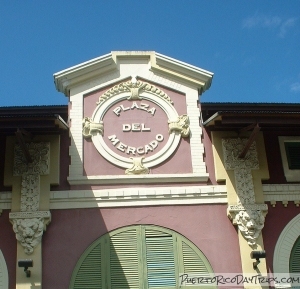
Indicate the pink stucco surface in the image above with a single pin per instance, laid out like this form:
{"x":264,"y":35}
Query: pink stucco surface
{"x":8,"y":246}
{"x":95,"y":164}
{"x":72,"y":231}
{"x":276,"y":220}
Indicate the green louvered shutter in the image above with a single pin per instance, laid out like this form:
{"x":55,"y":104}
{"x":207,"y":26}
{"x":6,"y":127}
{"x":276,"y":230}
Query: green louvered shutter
{"x":124,"y":261}
{"x":195,"y":263}
{"x":160,"y":259}
{"x":138,"y":257}
{"x":295,"y":258}
{"x":192,"y":262}
{"x":89,"y":272}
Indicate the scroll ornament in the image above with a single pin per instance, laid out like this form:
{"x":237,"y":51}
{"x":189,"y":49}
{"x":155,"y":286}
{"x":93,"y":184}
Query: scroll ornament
{"x":137,"y":168}
{"x":90,"y":128}
{"x":181,"y":125}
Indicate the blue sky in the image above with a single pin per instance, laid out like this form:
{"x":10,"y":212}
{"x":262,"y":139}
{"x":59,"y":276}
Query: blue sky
{"x":252,"y":47}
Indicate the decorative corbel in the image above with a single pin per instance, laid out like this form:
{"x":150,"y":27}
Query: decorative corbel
{"x":29,"y":228}
{"x":249,"y":219}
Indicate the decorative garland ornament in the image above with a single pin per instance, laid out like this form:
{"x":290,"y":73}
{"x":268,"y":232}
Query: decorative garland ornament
{"x":133,"y":90}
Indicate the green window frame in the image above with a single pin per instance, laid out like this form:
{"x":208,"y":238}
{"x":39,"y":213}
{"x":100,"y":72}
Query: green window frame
{"x":139,"y":257}
{"x":293,"y":154}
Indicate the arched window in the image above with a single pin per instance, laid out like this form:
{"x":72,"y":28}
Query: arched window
{"x":140,"y":257}
{"x":295,"y":257}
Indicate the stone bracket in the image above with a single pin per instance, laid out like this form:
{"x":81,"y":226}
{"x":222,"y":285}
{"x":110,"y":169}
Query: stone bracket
{"x":250,"y":220}
{"x":29,"y":227}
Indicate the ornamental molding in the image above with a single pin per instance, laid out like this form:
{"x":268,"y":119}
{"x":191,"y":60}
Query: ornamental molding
{"x":139,"y":196}
{"x":181,"y":125}
{"x":249,"y":219}
{"x":244,"y":186}
{"x":247,"y":215}
{"x":90,"y":128}
{"x":232,"y":147}
{"x":30,"y":172}
{"x":135,"y":87}
{"x":30,"y":223}
{"x":29,"y":215}
{"x":250,"y":224}
{"x":40,"y":154}
{"x":137,"y":168}
{"x":29,"y":231}
{"x":262,"y":207}
{"x":30,"y":192}
{"x":135,"y":160}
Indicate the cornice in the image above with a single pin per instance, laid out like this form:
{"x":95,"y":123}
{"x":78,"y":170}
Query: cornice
{"x":163,"y":65}
{"x":159,"y":196}
{"x":138,"y":179}
{"x":74,"y":75}
{"x":200,"y":77}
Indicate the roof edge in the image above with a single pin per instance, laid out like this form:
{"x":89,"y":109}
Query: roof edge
{"x":70,"y":77}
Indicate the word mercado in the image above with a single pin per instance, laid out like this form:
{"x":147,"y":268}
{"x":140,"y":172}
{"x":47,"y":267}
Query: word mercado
{"x":133,"y":150}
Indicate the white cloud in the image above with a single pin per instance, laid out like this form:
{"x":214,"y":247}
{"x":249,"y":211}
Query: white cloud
{"x":286,"y":25}
{"x":275,"y":22}
{"x":262,"y":21}
{"x":295,"y":87}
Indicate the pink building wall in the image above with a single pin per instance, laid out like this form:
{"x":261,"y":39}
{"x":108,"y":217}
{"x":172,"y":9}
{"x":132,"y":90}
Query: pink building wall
{"x":72,"y":231}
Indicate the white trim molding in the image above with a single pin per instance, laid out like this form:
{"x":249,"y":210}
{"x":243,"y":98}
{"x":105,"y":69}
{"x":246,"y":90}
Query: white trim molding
{"x":125,"y":197}
{"x":283,"y":193}
{"x":138,"y":179}
{"x":290,"y":175}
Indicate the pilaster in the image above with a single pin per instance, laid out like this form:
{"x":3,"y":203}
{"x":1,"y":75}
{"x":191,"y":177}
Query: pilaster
{"x":30,"y":212}
{"x":243,"y":177}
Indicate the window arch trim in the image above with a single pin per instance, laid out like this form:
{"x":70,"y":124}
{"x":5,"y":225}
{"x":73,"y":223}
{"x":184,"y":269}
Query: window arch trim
{"x":285,"y":244}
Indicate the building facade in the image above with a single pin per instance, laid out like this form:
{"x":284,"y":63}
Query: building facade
{"x":135,"y":184}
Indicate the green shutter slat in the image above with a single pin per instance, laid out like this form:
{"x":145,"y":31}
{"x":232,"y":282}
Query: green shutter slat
{"x":89,"y":272}
{"x":160,"y":259}
{"x":295,"y":257}
{"x":124,"y":262}
{"x":192,"y":262}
